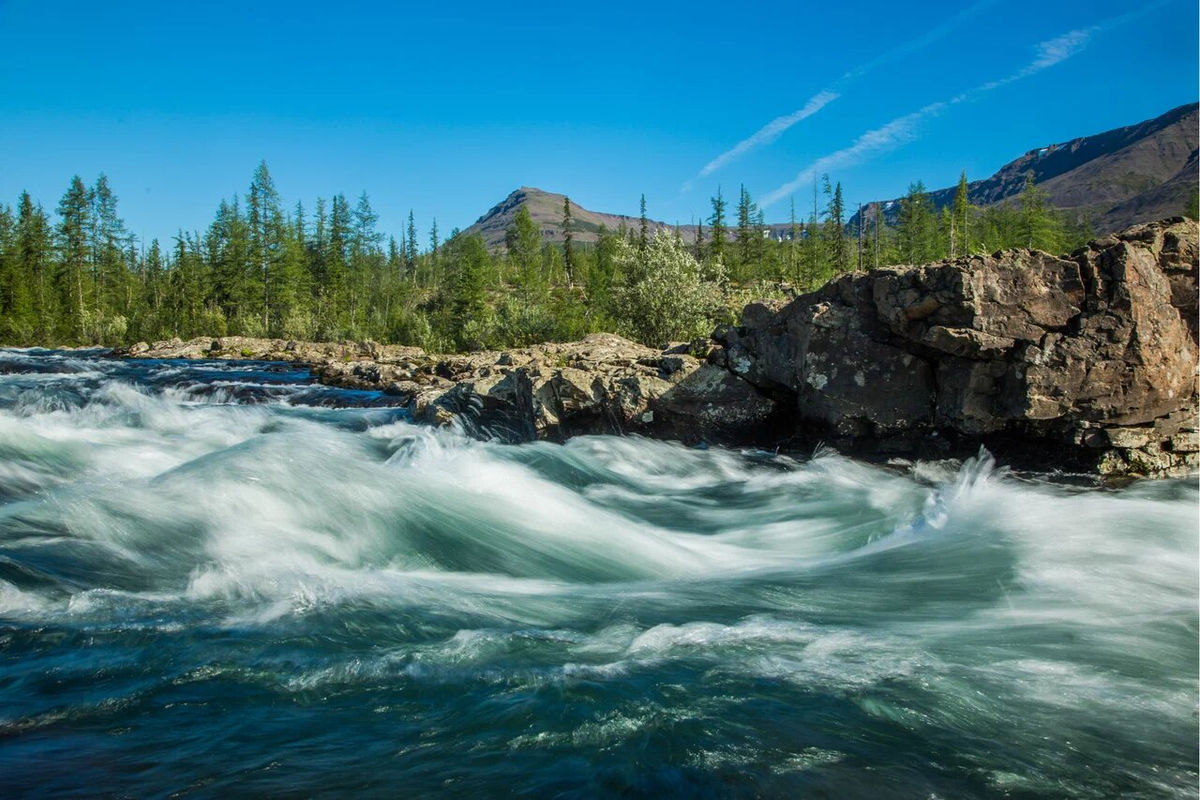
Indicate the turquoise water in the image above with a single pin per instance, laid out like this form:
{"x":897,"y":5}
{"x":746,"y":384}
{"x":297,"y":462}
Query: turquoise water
{"x":221,"y":579}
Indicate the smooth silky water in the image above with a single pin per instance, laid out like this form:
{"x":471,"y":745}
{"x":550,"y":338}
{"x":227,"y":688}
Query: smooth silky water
{"x":222,"y":578}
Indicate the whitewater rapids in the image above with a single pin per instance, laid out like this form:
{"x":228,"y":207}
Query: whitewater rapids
{"x":221,"y":578}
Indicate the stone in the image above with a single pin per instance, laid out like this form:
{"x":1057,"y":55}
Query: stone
{"x":1020,"y":345}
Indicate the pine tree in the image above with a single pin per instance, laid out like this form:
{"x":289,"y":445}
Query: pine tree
{"x":15,"y":308}
{"x":471,"y":261}
{"x":746,"y":209}
{"x":155,"y":269}
{"x":916,"y":230}
{"x":107,"y":236}
{"x":265,"y":220}
{"x":568,"y":242}
{"x":876,"y":224}
{"x":334,"y":315}
{"x":410,"y":245}
{"x":813,"y":250}
{"x":1041,"y":227}
{"x":836,"y":241}
{"x":717,"y":223}
{"x":793,"y":242}
{"x":34,"y":266}
{"x":960,"y":219}
{"x":73,"y":283}
{"x":28,"y":300}
{"x":643,"y":228}
{"x":524,"y":244}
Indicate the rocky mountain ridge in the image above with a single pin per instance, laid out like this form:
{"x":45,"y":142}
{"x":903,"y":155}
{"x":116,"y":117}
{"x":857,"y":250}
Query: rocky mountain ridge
{"x":1118,"y":178}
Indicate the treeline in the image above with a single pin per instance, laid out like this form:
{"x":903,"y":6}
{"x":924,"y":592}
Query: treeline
{"x":328,"y":273}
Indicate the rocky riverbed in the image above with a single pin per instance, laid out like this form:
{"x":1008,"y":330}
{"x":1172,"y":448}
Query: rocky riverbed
{"x":1086,"y":363}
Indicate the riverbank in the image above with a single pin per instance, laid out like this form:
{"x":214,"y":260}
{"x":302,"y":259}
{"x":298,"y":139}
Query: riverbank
{"x":1085,"y":363}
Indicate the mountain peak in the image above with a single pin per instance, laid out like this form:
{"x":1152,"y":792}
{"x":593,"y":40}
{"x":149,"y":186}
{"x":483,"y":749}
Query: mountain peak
{"x":545,"y":208}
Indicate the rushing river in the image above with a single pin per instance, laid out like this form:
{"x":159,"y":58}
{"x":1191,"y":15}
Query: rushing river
{"x":221,"y":579}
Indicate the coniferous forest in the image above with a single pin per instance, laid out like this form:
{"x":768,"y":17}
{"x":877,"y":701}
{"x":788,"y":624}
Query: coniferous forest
{"x":74,"y":275}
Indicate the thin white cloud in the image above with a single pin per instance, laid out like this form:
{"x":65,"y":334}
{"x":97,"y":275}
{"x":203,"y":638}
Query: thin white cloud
{"x":777,"y":127}
{"x":903,"y":130}
{"x":897,"y":132}
{"x":766,"y":134}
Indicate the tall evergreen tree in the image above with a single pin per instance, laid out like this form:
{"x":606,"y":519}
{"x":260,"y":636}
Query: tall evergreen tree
{"x":73,"y":282}
{"x":643,"y":228}
{"x":717,"y":224}
{"x":916,"y":232}
{"x":272,"y":281}
{"x":746,"y":210}
{"x":793,"y":242}
{"x":524,"y":244}
{"x":836,"y":240}
{"x":568,"y":241}
{"x":107,"y":235}
{"x":16,"y":310}
{"x":410,"y":248}
{"x":35,"y":264}
{"x":1041,"y":227}
{"x":961,"y":212}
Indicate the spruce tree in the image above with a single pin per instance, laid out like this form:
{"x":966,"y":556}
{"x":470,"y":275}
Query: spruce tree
{"x":643,"y":228}
{"x":272,"y":281}
{"x":31,"y":299}
{"x":960,"y":219}
{"x":916,"y":230}
{"x":410,"y":245}
{"x":568,"y":242}
{"x":14,"y":287}
{"x":717,"y":223}
{"x":837,"y":243}
{"x":1041,"y":227}
{"x":107,"y":237}
{"x":524,"y":244}
{"x":73,"y":282}
{"x":793,"y":242}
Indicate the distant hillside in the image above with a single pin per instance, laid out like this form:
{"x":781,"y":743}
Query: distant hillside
{"x":546,"y":210}
{"x":1118,"y":178}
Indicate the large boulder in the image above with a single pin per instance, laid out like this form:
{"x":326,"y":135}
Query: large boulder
{"x":1092,"y":358}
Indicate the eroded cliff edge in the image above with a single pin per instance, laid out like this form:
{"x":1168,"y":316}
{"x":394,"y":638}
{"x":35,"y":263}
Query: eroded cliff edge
{"x":1084,"y":363}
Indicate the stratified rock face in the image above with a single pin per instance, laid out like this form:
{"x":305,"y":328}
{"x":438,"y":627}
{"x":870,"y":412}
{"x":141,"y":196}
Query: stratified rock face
{"x":1096,"y":353}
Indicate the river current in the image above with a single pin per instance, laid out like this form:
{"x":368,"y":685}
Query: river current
{"x":222,"y":579}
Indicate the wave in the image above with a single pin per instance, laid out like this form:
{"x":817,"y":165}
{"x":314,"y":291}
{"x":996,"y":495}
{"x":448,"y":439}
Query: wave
{"x":306,"y":552}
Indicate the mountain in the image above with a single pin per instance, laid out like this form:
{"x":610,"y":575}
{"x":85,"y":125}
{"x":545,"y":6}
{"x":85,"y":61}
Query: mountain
{"x":1118,"y":178}
{"x":1134,"y":174}
{"x":546,"y":210}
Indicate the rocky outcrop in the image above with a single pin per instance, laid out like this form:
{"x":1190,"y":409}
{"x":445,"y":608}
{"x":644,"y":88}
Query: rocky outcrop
{"x":601,"y":384}
{"x":246,"y":347}
{"x":1085,"y":362}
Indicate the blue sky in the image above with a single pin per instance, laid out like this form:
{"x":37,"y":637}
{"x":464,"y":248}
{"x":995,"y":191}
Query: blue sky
{"x":445,"y":108}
